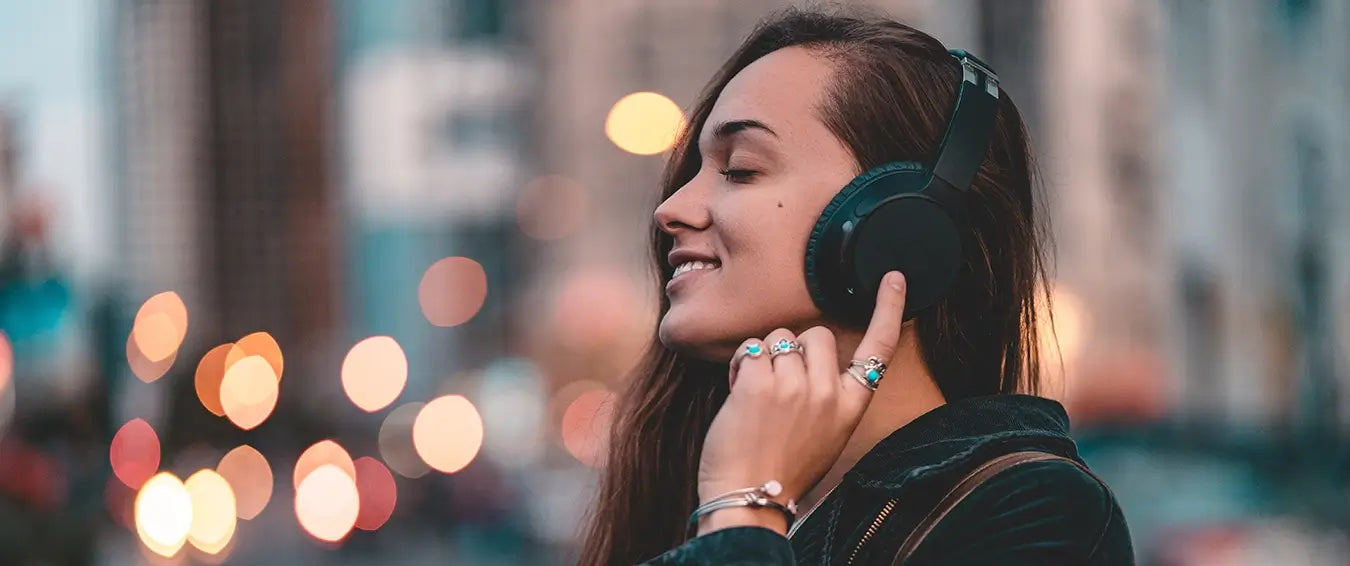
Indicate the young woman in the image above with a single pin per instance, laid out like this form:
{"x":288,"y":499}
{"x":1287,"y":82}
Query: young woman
{"x":759,"y":429}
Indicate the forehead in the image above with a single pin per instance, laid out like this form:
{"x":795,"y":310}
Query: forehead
{"x":781,"y":89}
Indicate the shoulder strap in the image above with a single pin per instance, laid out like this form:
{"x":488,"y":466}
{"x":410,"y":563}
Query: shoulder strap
{"x":963,"y":488}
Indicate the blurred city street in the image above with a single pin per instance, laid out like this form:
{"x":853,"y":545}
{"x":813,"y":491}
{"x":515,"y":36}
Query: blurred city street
{"x":356,"y":281}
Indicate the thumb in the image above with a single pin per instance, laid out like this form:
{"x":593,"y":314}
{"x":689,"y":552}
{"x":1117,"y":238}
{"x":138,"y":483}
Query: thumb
{"x":883,"y":332}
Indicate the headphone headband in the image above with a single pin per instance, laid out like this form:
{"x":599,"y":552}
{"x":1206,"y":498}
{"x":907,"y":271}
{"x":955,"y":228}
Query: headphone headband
{"x":967,"y":138}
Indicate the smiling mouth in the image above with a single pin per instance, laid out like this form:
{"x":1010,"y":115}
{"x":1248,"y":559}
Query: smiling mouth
{"x":692,"y":266}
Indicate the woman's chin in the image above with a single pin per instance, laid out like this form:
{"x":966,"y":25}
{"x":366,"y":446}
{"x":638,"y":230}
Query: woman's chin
{"x":690,"y":338}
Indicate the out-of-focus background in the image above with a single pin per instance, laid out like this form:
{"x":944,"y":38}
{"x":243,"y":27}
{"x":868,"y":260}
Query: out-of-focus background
{"x":352,"y":281}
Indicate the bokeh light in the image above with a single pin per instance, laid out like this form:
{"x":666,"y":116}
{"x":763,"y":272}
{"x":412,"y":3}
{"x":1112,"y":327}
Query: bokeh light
{"x":512,"y":397}
{"x":258,"y":344}
{"x":645,"y":123}
{"x":160,"y":325}
{"x":551,"y":207}
{"x":1061,"y":344}
{"x":144,"y":369}
{"x":6,"y":361}
{"x":163,"y":514}
{"x":120,"y":500}
{"x":448,"y":433}
{"x":250,"y":477}
{"x":598,"y":308}
{"x":377,"y":491}
{"x":396,"y":442}
{"x":248,"y":393}
{"x":213,"y":511}
{"x":374,"y":373}
{"x":210,"y":373}
{"x":327,"y":503}
{"x":134,"y":453}
{"x":452,"y":290}
{"x":586,"y":424}
{"x":322,"y":453}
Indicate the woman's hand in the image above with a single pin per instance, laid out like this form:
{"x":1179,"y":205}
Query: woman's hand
{"x":788,"y":416}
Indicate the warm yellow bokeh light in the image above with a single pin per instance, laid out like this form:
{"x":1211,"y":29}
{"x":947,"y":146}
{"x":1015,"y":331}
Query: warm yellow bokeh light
{"x":396,"y":445}
{"x":585,"y":426}
{"x":322,"y":453}
{"x":327,"y":503}
{"x":163,"y":514}
{"x":452,"y":290}
{"x":374,"y":373}
{"x":134,"y":453}
{"x":144,"y":369}
{"x":258,"y":344}
{"x":448,"y":433}
{"x":213,"y":511}
{"x":210,"y":372}
{"x":551,"y":207}
{"x":250,"y":477}
{"x":248,"y":393}
{"x":645,"y":123}
{"x":160,"y":326}
{"x":378,"y":493}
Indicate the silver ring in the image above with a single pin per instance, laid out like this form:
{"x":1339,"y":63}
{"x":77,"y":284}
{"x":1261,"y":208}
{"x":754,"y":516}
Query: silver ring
{"x":785,"y":346}
{"x":752,"y":350}
{"x":869,"y":372}
{"x":852,"y":371}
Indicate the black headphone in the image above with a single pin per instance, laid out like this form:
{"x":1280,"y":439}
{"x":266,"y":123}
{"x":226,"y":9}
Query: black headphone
{"x":904,"y":215}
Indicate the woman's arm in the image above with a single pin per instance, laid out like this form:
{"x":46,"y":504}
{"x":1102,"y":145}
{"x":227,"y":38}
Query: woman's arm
{"x":1041,"y":513}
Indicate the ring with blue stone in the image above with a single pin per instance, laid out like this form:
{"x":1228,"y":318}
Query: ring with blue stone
{"x":751,"y":350}
{"x":784,"y":346}
{"x":868,"y":373}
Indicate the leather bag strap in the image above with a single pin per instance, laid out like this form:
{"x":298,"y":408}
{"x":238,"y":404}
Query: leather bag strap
{"x":963,"y":488}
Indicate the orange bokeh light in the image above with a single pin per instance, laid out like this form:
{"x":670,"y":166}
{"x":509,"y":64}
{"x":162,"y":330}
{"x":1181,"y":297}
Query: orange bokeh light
{"x":374,"y":373}
{"x":551,"y":207}
{"x":213,"y":511}
{"x":322,"y":453}
{"x":6,"y":361}
{"x":142,"y":367}
{"x":448,"y":433}
{"x":327,"y":503}
{"x":161,"y":323}
{"x":396,"y":445}
{"x":258,"y":344}
{"x":585,"y":426}
{"x":251,"y":478}
{"x":248,"y":393}
{"x":595,"y":308}
{"x":134,"y":453}
{"x":452,"y":290}
{"x":377,"y":491}
{"x":210,"y":372}
{"x":163,"y":512}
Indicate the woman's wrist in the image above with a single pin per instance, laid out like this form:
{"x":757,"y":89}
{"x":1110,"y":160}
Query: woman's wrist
{"x":744,"y":516}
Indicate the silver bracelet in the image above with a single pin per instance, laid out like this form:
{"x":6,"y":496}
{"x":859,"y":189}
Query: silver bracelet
{"x":757,"y":497}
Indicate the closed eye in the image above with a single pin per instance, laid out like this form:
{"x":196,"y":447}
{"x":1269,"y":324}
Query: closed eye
{"x":738,"y":175}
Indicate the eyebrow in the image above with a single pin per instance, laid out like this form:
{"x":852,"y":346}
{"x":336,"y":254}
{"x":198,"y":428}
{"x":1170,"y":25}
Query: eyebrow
{"x":730,"y":127}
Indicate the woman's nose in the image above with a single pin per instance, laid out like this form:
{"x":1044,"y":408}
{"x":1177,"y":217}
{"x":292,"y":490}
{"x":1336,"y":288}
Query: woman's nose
{"x":685,"y":209}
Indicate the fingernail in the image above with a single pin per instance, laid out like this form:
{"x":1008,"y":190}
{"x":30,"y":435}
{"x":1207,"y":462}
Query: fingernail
{"x":895,"y":280}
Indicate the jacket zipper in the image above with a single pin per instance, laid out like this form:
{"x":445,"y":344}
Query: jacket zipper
{"x":872,"y":530}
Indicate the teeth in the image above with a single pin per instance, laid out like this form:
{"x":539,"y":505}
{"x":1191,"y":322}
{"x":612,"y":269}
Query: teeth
{"x":692,"y":265}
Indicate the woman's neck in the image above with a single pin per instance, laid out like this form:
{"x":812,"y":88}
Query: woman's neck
{"x":907,"y":391}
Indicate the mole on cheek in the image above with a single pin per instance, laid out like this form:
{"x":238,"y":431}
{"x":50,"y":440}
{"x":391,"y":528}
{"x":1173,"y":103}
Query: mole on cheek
{"x":780,"y":204}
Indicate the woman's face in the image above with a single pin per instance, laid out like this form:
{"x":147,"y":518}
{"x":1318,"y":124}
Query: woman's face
{"x":740,"y":225}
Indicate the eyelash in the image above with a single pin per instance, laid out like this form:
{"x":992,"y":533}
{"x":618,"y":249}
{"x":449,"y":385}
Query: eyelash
{"x":738,"y":175}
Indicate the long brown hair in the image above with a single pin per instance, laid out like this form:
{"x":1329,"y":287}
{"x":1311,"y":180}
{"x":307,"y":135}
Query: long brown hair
{"x":890,"y":100}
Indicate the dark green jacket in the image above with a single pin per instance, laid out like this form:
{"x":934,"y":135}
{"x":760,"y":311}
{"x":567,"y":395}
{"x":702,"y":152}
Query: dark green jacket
{"x":1039,"y":513}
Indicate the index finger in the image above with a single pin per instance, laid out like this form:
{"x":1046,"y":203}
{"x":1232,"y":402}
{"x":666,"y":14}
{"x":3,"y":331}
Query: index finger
{"x":883,"y":332}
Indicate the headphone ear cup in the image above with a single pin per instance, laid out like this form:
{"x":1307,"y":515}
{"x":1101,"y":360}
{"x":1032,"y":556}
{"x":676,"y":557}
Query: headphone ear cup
{"x":914,"y":235}
{"x":825,"y":260}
